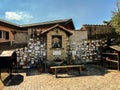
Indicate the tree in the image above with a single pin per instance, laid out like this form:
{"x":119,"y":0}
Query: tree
{"x":115,"y":20}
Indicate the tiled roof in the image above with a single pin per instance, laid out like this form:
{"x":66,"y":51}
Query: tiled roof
{"x":93,"y":25}
{"x":65,"y":21}
{"x":9,"y":23}
{"x":47,"y":23}
{"x":87,"y":26}
{"x":57,"y":25}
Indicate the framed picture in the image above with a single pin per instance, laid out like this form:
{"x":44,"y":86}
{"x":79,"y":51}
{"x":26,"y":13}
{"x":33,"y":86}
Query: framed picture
{"x":56,"y":41}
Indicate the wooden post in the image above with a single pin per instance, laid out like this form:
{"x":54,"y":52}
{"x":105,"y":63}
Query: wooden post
{"x":80,"y":70}
{"x":0,"y":74}
{"x":55,"y":72}
{"x":118,"y":61}
{"x":10,"y":72}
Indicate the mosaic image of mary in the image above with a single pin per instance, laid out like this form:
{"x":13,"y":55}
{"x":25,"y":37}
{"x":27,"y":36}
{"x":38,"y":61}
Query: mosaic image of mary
{"x":56,"y":41}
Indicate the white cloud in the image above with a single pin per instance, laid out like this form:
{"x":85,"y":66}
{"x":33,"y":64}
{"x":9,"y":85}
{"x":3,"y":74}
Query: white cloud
{"x":13,"y":16}
{"x":18,"y":16}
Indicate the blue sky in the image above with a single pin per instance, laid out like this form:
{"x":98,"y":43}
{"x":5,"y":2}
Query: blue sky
{"x":34,"y":11}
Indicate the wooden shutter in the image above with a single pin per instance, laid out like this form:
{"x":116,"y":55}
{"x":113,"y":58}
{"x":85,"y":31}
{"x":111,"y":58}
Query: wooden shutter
{"x":0,"y":34}
{"x":7,"y":35}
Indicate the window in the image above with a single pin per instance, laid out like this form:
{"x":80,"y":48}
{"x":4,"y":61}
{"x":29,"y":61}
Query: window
{"x":4,"y":34}
{"x":56,"y":41}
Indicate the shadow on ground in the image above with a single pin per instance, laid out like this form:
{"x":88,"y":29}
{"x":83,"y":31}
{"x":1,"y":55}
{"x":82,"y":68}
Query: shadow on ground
{"x":32,"y":71}
{"x":94,"y":70}
{"x":89,"y":70}
{"x":16,"y":80}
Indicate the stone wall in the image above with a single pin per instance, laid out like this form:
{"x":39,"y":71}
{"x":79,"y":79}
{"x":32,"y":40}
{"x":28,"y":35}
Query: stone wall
{"x":88,"y":51}
{"x":32,"y":54}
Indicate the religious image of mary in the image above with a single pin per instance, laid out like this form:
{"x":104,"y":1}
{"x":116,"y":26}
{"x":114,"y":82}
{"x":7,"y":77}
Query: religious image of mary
{"x":56,"y":42}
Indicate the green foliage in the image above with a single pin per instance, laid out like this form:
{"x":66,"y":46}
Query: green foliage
{"x":115,"y":20}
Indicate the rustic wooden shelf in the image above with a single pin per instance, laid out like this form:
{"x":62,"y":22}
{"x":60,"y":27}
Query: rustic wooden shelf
{"x":112,"y":60}
{"x":110,"y":53}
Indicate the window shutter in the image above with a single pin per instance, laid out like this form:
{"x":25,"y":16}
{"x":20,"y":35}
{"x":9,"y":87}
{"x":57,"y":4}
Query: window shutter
{"x":0,"y":34}
{"x":7,"y":35}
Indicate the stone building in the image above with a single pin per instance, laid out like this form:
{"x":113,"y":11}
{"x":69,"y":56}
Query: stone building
{"x":54,"y":34}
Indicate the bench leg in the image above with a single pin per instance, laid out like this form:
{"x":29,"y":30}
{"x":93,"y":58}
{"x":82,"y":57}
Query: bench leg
{"x":80,"y":70}
{"x":55,"y":72}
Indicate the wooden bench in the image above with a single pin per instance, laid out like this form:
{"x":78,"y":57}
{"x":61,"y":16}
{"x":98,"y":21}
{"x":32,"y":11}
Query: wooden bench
{"x":67,"y":66}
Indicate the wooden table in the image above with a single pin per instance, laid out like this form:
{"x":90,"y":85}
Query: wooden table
{"x":66,"y":66}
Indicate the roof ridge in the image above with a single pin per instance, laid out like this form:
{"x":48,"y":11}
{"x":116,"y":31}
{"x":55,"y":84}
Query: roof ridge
{"x":94,"y":25}
{"x":42,"y":23}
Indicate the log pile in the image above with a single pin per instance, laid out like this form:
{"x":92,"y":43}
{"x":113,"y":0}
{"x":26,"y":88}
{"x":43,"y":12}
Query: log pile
{"x":87,"y":51}
{"x":32,"y":54}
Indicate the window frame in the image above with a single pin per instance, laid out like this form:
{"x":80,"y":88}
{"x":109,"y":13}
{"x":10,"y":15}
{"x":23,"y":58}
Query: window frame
{"x":4,"y":35}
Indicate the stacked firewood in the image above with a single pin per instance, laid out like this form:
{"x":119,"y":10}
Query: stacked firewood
{"x":32,"y":54}
{"x":87,"y":51}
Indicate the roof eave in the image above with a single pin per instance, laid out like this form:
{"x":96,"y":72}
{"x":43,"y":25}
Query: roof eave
{"x":57,"y":25}
{"x":47,"y":23}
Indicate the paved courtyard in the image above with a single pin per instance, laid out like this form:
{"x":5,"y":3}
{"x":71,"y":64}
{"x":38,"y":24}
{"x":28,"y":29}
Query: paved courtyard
{"x":94,"y":78}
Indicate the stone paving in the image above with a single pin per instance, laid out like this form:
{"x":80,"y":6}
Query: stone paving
{"x":94,"y":78}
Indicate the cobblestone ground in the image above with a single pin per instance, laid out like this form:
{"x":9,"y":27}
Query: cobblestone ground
{"x":94,"y":78}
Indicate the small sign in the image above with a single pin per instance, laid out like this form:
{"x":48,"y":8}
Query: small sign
{"x":56,"y":52}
